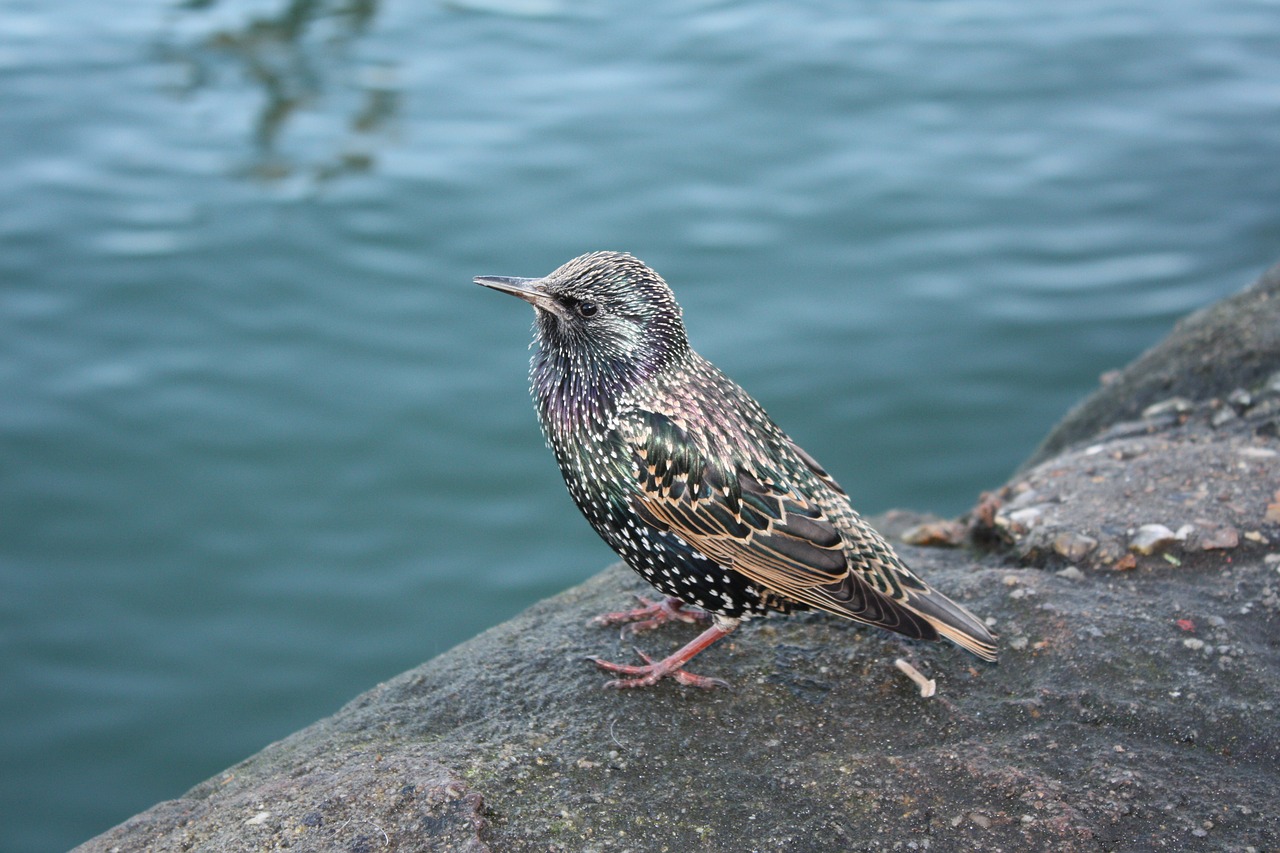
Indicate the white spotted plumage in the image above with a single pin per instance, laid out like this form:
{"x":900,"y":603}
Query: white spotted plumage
{"x":685,"y":476}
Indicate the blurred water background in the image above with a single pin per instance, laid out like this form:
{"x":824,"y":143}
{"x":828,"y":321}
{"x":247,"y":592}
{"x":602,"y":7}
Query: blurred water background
{"x":263,"y":445}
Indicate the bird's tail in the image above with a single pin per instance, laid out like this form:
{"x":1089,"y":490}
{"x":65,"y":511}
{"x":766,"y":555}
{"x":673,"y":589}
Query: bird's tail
{"x":922,"y":612}
{"x":955,"y":623}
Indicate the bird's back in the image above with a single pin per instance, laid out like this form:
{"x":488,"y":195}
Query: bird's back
{"x":709,"y":500}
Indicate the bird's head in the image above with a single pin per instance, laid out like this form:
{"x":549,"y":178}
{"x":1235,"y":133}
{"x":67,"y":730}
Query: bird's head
{"x":603,"y":314}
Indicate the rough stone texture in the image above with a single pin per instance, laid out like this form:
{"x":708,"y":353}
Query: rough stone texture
{"x":1135,"y":706}
{"x":1173,"y":489}
{"x":352,"y":797}
{"x":1229,"y":345}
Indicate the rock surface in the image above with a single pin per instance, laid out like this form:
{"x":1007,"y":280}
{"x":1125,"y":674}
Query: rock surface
{"x":1136,"y":705}
{"x":1233,"y":344}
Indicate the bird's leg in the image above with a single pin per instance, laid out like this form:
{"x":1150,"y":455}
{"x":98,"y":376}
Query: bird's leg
{"x":671,"y":666}
{"x":650,"y":615}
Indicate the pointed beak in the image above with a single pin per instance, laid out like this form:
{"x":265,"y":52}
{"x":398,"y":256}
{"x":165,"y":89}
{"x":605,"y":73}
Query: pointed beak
{"x":528,"y":289}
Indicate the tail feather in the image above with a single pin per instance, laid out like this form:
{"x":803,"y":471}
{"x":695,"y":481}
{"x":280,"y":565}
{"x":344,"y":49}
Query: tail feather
{"x":926,"y":614}
{"x":955,"y":623}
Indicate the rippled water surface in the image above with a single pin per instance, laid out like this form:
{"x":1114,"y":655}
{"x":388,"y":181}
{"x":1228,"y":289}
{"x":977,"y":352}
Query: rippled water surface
{"x":263,"y":445}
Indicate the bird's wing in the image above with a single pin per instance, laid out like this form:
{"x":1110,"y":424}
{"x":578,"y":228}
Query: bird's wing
{"x":758,"y":524}
{"x":817,"y":469}
{"x":773,"y":537}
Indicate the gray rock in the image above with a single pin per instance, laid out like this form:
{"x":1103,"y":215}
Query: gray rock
{"x":1232,"y":344}
{"x":1214,"y":483}
{"x":1136,"y":704}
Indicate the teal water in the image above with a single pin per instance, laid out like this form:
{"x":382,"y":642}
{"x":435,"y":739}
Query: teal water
{"x":263,"y":445}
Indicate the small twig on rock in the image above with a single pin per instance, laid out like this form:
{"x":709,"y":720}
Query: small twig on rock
{"x":927,"y":685}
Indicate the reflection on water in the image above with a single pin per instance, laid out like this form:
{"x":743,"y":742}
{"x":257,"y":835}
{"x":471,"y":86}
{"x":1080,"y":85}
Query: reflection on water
{"x":300,"y":59}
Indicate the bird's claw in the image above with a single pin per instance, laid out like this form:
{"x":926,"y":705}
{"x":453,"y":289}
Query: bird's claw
{"x":651,"y":673}
{"x":650,"y":615}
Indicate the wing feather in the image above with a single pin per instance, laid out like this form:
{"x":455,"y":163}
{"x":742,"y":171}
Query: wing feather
{"x":755,"y":522}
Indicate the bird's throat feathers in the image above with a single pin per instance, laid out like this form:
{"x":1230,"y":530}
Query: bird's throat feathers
{"x":574,"y":393}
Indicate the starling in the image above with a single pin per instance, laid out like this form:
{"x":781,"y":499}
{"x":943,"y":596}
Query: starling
{"x":684,"y":475}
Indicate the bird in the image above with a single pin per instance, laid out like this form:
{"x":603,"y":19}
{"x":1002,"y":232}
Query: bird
{"x":695,"y":487}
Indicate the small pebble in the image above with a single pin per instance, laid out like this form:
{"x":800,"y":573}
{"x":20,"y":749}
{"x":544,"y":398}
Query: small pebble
{"x":1219,"y":538}
{"x":1223,"y":416}
{"x":1074,"y":546}
{"x":1174,"y":405}
{"x":1150,"y":537}
{"x":936,"y":534}
{"x":1027,"y":518}
{"x":1240,"y":398}
{"x":1193,"y":643}
{"x":1025,"y":497}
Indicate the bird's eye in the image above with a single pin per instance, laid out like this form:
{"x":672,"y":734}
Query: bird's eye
{"x":587,"y":309}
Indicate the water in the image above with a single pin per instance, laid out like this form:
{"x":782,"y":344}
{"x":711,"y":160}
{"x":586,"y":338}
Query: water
{"x":262,"y":445}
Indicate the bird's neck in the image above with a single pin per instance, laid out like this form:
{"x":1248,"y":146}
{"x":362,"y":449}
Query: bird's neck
{"x":581,"y":397}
